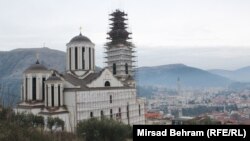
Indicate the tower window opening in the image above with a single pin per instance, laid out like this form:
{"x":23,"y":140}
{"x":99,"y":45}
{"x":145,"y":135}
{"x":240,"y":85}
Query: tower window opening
{"x":43,"y":88}
{"x":34,"y":88}
{"x":59,"y":95}
{"x":52,"y":95}
{"x":114,"y":68}
{"x":76,"y":58}
{"x":126,"y":68}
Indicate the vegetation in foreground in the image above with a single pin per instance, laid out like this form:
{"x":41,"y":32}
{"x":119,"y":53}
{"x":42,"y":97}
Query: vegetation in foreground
{"x":103,"y":130}
{"x":29,"y":127}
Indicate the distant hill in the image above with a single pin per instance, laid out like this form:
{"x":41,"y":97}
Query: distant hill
{"x":167,"y":75}
{"x":241,"y":75}
{"x":13,"y":63}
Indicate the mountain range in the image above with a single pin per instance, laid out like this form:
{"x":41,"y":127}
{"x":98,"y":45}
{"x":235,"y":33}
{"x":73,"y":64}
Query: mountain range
{"x":186,"y":76}
{"x":14,"y":62}
{"x":240,"y":75}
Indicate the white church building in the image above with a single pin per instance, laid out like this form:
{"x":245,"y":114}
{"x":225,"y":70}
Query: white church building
{"x":81,"y":92}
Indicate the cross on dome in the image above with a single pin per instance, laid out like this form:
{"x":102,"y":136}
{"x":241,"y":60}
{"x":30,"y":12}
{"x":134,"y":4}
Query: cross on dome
{"x":80,"y":29}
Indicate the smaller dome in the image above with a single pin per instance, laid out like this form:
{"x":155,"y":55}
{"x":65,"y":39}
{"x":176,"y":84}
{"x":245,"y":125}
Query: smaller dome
{"x":36,"y":67}
{"x":53,"y":77}
{"x":80,"y":38}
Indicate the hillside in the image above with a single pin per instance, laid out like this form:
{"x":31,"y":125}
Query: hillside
{"x":167,"y":75}
{"x":241,"y":75}
{"x":13,"y":63}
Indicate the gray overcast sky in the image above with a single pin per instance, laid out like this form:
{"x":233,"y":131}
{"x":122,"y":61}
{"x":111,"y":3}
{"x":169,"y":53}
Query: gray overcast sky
{"x":201,"y":33}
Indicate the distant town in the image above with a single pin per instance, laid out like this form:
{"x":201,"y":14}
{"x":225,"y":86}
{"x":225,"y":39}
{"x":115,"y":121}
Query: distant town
{"x":204,"y":106}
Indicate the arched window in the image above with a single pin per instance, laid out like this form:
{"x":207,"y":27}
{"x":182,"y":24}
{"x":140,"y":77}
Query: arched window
{"x":114,"y":68}
{"x":107,"y":84}
{"x":126,"y":68}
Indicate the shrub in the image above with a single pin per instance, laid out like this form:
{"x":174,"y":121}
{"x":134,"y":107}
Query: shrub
{"x":103,"y":130}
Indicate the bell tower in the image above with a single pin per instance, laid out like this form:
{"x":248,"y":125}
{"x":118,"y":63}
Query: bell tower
{"x":119,"y":50}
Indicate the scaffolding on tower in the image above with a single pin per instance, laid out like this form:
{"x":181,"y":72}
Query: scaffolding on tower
{"x":120,"y":51}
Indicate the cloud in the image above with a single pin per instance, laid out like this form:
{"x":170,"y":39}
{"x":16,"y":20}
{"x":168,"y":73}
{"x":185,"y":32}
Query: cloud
{"x":165,"y":31}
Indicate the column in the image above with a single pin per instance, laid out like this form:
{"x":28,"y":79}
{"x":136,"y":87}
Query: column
{"x":86,"y":58}
{"x":67,"y":59}
{"x":22,"y":94}
{"x":49,"y":95}
{"x":72,"y":58}
{"x":79,"y":64}
{"x":83,"y":58}
{"x":61,"y":96}
{"x":45,"y":97}
{"x":30,"y":87}
{"x":38,"y":97}
{"x":41,"y":88}
{"x":76,"y":57}
{"x":55,"y":95}
{"x":80,"y":57}
{"x":90,"y":59}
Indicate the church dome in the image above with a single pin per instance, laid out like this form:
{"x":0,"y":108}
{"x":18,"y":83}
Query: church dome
{"x":80,"y":38}
{"x":36,"y":67}
{"x":53,"y":77}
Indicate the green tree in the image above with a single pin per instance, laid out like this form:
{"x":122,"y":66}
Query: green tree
{"x":50,"y":123}
{"x":55,"y":122}
{"x":59,"y":123}
{"x":103,"y":130}
{"x":38,"y":121}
